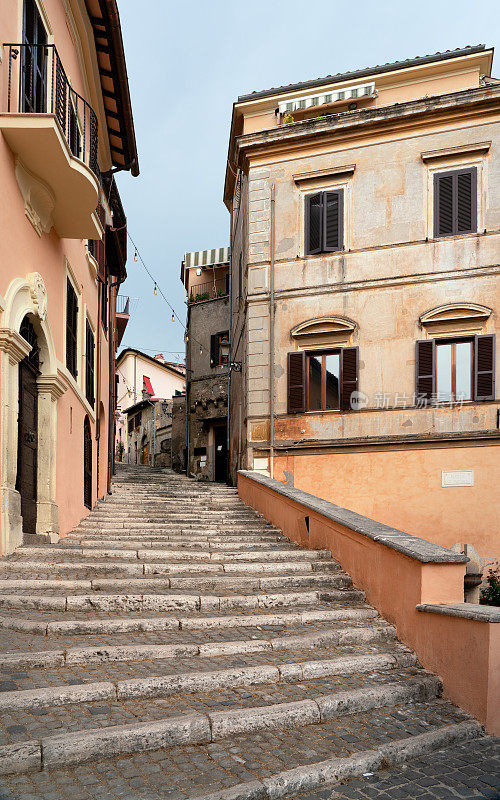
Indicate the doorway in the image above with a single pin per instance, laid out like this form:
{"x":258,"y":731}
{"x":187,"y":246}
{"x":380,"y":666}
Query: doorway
{"x":87,"y":464}
{"x":27,"y":461}
{"x":220,"y":448}
{"x":144,"y":451}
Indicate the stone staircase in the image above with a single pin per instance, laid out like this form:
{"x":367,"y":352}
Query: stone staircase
{"x":177,"y":639}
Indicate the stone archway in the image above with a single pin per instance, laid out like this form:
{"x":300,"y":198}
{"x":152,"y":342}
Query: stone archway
{"x":27,"y":297}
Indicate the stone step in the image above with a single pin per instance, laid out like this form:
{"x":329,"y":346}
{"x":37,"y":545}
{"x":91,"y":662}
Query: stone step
{"x":160,"y":686}
{"x":114,"y":624}
{"x":330,"y":580}
{"x":210,"y":545}
{"x":203,"y":728}
{"x":171,"y":602}
{"x":109,"y":567}
{"x":53,"y":553}
{"x":325,"y":640}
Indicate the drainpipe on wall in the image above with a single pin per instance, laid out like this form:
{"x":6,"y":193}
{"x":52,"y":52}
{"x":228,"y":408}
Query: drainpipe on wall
{"x":271,"y":340}
{"x":188,"y":386}
{"x":98,"y":392}
{"x":112,"y":387}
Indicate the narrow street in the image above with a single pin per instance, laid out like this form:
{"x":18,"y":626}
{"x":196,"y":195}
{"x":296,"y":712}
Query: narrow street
{"x":175,"y":645}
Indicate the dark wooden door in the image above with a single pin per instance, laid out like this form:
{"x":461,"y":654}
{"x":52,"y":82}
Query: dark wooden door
{"x":87,"y":464}
{"x":220,"y":460}
{"x":27,"y":444}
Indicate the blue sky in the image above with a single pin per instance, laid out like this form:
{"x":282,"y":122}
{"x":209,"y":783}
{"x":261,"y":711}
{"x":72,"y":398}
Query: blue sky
{"x":188,"y":62}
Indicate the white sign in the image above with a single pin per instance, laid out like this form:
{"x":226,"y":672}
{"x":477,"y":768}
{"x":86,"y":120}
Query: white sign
{"x":463,"y":477}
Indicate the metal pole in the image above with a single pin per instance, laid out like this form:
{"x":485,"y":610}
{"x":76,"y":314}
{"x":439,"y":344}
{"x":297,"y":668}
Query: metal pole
{"x":271,"y":340}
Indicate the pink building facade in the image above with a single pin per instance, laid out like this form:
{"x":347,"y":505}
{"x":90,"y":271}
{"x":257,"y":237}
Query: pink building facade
{"x":66,"y":126}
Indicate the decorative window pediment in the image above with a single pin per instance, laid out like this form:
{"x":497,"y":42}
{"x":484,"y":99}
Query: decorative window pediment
{"x":323,"y":331}
{"x":455,"y":318}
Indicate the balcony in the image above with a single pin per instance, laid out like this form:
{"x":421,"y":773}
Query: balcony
{"x":122,"y":316}
{"x":211,"y":290}
{"x":52,"y":131}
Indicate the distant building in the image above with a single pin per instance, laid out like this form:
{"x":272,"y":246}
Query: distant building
{"x":365,"y":218}
{"x":149,"y":433}
{"x":138,"y":377}
{"x":205,"y":275}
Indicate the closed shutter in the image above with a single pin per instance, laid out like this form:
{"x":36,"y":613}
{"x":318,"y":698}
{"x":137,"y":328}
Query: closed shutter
{"x":425,"y":368}
{"x":314,"y":223}
{"x":296,"y":390}
{"x":349,"y":361}
{"x":89,"y":365}
{"x":240,"y":275}
{"x":71,"y":329}
{"x":455,"y":202}
{"x":466,"y":201}
{"x":333,"y":221}
{"x":484,"y":367}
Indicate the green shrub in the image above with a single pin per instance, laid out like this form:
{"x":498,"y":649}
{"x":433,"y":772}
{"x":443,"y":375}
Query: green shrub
{"x":491,"y":595}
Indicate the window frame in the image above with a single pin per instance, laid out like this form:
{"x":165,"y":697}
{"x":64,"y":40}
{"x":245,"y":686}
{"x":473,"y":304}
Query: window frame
{"x":71,"y":335}
{"x":215,"y":348}
{"x":323,"y":353}
{"x":323,"y":192}
{"x":442,"y":171}
{"x":454,"y":340}
{"x":89,"y":366}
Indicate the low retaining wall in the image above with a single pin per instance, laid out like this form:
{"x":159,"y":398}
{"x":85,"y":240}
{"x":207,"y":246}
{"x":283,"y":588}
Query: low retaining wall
{"x":413,"y":583}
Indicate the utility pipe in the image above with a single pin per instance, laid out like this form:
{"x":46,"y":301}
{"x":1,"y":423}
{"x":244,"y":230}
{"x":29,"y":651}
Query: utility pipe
{"x":271,"y":339}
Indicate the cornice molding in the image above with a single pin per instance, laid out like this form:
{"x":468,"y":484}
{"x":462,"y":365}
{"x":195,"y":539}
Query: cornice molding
{"x":480,"y":148}
{"x":327,"y":174}
{"x":53,"y":384}
{"x":14,"y":345}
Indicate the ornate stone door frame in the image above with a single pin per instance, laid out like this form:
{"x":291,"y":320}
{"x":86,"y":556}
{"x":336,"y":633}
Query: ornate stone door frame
{"x":27,"y":296}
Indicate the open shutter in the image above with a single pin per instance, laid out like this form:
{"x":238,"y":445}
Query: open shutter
{"x":296,"y":383}
{"x":214,"y":355}
{"x":349,"y":369}
{"x":425,"y":368}
{"x":71,"y":328}
{"x":314,"y":223}
{"x":466,"y":201}
{"x":443,"y":205}
{"x":484,"y":367}
{"x":333,"y":220}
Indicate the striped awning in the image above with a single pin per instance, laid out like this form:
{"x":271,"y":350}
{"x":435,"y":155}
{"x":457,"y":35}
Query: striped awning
{"x":207,"y":258}
{"x":296,"y":104}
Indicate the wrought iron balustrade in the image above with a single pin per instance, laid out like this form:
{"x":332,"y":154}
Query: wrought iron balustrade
{"x":209,"y":290}
{"x":38,"y":84}
{"x":122,"y":304}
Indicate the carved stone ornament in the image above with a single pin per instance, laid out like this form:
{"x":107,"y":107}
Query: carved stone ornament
{"x":38,"y":293}
{"x":39,"y":200}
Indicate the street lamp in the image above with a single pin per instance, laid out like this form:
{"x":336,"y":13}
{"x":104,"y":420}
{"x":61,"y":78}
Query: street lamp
{"x":225,"y":350}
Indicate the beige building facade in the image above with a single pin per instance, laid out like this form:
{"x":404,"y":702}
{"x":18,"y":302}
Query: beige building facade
{"x":365,"y":292}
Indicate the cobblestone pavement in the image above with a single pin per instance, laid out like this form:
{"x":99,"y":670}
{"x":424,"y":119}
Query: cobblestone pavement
{"x":175,"y":645}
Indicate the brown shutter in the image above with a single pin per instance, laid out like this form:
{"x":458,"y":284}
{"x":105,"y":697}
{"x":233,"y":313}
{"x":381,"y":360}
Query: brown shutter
{"x":314,"y":223}
{"x":71,"y":329}
{"x":484,"y":367}
{"x":333,"y":214}
{"x":425,"y":368}
{"x":349,"y":361}
{"x":466,"y":201}
{"x":296,"y":383}
{"x":443,"y":205}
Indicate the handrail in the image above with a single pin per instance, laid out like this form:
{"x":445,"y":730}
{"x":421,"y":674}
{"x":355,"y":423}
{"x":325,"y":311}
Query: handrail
{"x":40,"y":86}
{"x":209,"y":290}
{"x":122,"y":304}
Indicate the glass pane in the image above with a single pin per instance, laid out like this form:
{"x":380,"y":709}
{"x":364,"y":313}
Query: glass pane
{"x":315,"y":383}
{"x":332,"y":380}
{"x":464,"y":367}
{"x":443,"y":372}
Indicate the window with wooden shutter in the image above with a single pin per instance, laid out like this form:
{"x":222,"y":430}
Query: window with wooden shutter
{"x":71,"y":329}
{"x":455,"y":202}
{"x":349,"y":375}
{"x":484,"y":367}
{"x":425,"y":369}
{"x":217,"y":357}
{"x":89,"y":364}
{"x":296,"y":389}
{"x":324,"y":222}
{"x":240,"y":275}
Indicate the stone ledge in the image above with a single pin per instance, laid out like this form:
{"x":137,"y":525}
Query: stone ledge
{"x":411,"y":546}
{"x":464,"y":610}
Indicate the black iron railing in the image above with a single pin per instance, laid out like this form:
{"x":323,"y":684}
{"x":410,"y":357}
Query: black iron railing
{"x":209,"y":291}
{"x":38,"y":84}
{"x":122,"y":304}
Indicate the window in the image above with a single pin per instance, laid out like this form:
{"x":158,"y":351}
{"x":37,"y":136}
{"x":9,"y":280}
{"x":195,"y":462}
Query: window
{"x":71,"y":329}
{"x":322,"y":380}
{"x":137,"y":420}
{"x":217,"y":358}
{"x":456,"y":369}
{"x":33,"y":61}
{"x":455,"y":202}
{"x":131,"y":426}
{"x":89,"y":364}
{"x":240,"y":275}
{"x":324,"y":222}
